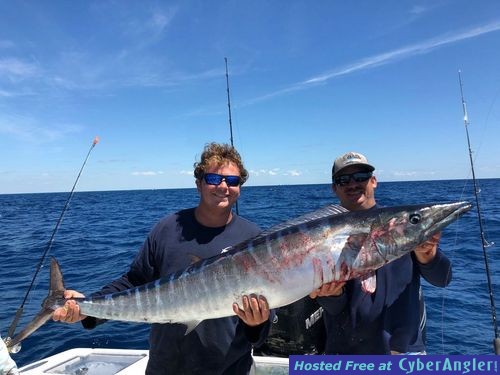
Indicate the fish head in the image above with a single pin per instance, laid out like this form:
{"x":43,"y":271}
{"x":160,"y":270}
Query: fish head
{"x":396,"y":231}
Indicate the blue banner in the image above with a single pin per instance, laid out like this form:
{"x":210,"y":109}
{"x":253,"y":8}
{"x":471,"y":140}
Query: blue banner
{"x":394,"y":364}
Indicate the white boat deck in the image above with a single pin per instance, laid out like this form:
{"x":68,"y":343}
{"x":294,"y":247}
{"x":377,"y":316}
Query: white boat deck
{"x":87,"y":361}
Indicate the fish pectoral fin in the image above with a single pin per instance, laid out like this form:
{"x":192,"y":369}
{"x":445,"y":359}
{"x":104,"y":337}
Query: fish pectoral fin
{"x":369,"y":282}
{"x":192,"y":324}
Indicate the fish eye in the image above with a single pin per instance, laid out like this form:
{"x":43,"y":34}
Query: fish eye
{"x":415,"y":218}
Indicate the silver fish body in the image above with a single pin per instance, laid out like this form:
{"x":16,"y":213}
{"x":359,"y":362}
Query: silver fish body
{"x":283,"y":264}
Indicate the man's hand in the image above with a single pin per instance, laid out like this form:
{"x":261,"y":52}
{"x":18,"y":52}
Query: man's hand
{"x":426,"y":251}
{"x":334,"y":288}
{"x":255,"y":310}
{"x":70,"y":312}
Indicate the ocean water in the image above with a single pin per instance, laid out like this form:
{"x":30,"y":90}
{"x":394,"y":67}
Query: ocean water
{"x":102,"y":231}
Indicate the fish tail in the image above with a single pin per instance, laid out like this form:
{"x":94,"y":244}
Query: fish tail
{"x":53,"y":300}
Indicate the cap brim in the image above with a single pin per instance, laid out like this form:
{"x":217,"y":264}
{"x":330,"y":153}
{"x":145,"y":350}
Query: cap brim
{"x":368,"y":167}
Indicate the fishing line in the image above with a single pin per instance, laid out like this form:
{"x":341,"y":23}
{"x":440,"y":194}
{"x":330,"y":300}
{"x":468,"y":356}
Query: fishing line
{"x":20,"y":310}
{"x":484,"y":242}
{"x":487,"y":119}
{"x":446,"y":291}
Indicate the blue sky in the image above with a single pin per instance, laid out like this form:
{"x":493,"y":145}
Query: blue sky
{"x":309,"y":80}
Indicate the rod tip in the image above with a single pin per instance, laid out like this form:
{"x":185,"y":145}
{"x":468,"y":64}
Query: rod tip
{"x":96,"y":140}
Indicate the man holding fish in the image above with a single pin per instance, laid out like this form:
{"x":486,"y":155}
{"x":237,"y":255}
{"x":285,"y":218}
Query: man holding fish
{"x":214,"y":346}
{"x":387,"y":316}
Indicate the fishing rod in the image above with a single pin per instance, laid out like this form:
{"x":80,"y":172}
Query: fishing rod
{"x":20,"y":310}
{"x":230,"y":120}
{"x":484,"y":242}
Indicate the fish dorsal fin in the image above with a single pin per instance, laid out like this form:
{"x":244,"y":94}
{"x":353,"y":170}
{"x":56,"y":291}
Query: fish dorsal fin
{"x":369,"y":282}
{"x":331,"y":209}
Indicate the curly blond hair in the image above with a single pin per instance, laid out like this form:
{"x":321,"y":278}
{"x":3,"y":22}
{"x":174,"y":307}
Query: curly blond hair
{"x":219,"y":154}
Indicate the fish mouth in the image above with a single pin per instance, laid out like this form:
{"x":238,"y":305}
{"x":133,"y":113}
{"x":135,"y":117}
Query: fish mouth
{"x":449,"y":212}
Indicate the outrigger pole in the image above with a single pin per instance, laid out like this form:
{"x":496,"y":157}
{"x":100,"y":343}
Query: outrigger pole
{"x":19,"y":311}
{"x":484,"y":242}
{"x":230,"y":120}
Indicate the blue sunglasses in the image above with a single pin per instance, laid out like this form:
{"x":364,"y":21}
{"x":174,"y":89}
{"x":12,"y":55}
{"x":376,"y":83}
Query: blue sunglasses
{"x":216,"y":179}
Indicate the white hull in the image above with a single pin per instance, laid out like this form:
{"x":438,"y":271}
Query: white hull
{"x":86,"y":361}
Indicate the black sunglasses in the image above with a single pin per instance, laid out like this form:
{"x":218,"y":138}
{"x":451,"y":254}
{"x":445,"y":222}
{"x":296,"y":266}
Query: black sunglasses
{"x":216,"y":179}
{"x":344,"y":179}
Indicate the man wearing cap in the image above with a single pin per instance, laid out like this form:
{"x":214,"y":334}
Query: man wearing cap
{"x":392,"y":319}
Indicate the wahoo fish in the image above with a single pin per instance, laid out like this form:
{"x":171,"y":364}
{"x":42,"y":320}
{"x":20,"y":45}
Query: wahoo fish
{"x":283,"y":264}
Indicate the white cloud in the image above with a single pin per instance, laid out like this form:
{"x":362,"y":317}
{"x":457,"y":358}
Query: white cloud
{"x":187,"y":173}
{"x":384,"y":58}
{"x":6,"y":44}
{"x":147,"y":24}
{"x":265,"y":172}
{"x":7,"y":94}
{"x":147,"y":173}
{"x":12,"y":67}
{"x":84,"y":71}
{"x":405,"y":173}
{"x":30,"y":130}
{"x":77,"y":67}
{"x":16,"y":93}
{"x":293,"y":172}
{"x":418,"y":10}
{"x":413,"y":173}
{"x":405,"y":52}
{"x":161,"y":19}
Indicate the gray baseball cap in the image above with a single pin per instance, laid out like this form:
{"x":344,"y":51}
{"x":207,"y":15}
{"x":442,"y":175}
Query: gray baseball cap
{"x":348,"y":159}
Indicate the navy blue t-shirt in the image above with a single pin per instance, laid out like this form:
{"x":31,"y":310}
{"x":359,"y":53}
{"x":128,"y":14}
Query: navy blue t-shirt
{"x":215,"y":346}
{"x":392,"y":318}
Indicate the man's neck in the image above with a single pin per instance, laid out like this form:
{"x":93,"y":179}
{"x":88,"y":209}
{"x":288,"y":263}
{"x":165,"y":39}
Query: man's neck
{"x":212,"y":218}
